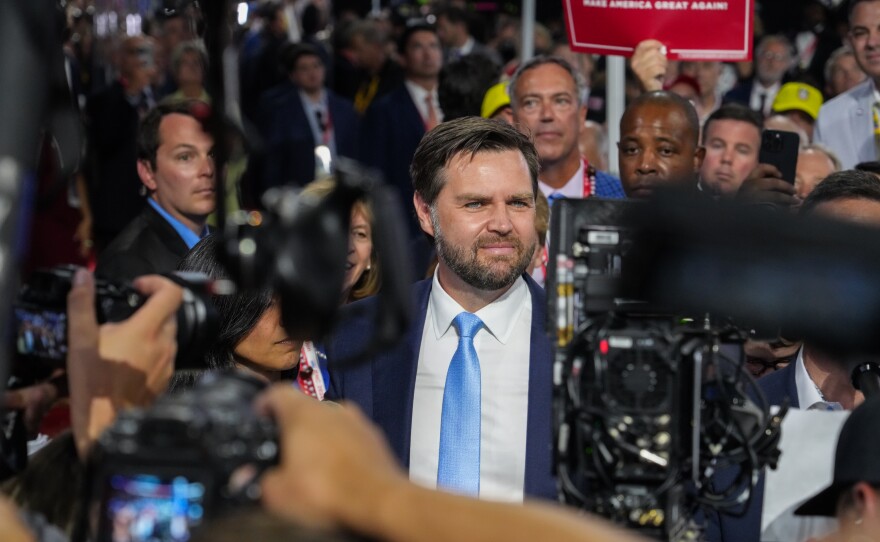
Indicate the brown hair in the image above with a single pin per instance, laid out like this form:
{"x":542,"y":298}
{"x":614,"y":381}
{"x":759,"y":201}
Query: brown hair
{"x":370,"y":280}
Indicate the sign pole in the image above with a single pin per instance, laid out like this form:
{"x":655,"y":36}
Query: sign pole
{"x":615,"y":95}
{"x":528,"y":30}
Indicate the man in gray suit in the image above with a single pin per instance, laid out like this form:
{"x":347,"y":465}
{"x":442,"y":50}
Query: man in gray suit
{"x":846,"y":124}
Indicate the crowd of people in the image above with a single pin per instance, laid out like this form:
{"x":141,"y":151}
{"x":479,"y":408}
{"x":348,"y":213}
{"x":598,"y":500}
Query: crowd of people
{"x":477,"y":143}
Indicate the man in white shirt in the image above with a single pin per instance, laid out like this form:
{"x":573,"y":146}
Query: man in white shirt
{"x":546,"y":94}
{"x":773,"y":58}
{"x":465,"y":401}
{"x":848,"y":124}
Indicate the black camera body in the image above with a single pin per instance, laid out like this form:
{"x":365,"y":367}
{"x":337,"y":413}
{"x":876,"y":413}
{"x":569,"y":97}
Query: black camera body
{"x":40,"y":315}
{"x":41,"y":312}
{"x":647,"y":405}
{"x":159,"y":473}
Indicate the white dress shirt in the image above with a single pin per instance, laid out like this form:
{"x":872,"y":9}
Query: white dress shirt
{"x":770,"y":93}
{"x":573,"y":188}
{"x":809,"y":396}
{"x":418,"y":94}
{"x":503,"y":347}
{"x":312,"y":108}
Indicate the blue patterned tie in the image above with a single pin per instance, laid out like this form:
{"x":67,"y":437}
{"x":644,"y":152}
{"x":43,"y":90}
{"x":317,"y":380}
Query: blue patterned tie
{"x":459,"y":461}
{"x":554,"y":196}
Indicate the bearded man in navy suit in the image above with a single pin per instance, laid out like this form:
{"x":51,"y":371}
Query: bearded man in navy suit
{"x":475,"y":184}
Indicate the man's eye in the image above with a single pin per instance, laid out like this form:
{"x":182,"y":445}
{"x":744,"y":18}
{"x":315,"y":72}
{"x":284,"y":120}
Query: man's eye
{"x":184,"y":157}
{"x":520,"y":203}
{"x":530,"y":103}
{"x":630,"y":150}
{"x":563,"y":101}
{"x":666,"y":151}
{"x":473,"y":205}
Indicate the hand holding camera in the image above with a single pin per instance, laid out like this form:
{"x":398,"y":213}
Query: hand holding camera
{"x":117,"y":365}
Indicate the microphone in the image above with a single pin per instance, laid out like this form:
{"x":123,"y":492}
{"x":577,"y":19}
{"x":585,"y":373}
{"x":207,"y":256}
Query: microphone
{"x":866,"y":377}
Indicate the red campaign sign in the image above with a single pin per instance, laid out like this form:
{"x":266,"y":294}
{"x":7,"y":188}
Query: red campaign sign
{"x":690,"y":30}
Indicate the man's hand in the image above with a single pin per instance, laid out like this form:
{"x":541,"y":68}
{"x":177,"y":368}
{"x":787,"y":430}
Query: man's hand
{"x":765,"y":185}
{"x":12,"y":529}
{"x":35,"y":401}
{"x":335,"y":467}
{"x":117,"y":365}
{"x":649,"y":63}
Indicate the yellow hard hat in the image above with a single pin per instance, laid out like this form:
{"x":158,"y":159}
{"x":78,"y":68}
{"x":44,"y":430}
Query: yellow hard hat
{"x":800,"y":97}
{"x":496,"y":98}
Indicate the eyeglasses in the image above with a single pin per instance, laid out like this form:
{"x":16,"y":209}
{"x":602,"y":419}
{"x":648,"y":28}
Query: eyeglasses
{"x":776,"y":57}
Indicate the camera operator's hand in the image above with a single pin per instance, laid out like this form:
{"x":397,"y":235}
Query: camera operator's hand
{"x":649,"y":63}
{"x":117,"y":365}
{"x":34,"y":401}
{"x":336,"y":470}
{"x":12,"y":529}
{"x":765,"y":185}
{"x":335,"y":467}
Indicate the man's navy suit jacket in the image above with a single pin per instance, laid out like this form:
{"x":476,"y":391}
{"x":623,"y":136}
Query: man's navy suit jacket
{"x":777,"y":387}
{"x":384,"y":386}
{"x":290,"y":142}
{"x":392,"y":129}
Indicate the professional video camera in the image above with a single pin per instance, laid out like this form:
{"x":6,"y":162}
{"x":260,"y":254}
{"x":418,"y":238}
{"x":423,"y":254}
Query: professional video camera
{"x":161,"y":472}
{"x":647,"y":405}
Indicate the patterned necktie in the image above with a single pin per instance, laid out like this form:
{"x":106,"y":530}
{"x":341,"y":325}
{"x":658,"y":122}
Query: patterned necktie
{"x":431,"y":121}
{"x":762,"y":97}
{"x":459,"y":460}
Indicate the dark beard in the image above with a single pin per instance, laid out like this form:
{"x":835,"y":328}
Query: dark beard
{"x":482,"y":275}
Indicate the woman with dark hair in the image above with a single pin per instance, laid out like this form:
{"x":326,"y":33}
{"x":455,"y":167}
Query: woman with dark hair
{"x":250,"y":336}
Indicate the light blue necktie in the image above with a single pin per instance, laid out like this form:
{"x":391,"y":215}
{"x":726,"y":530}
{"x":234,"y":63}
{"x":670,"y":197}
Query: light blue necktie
{"x":554,"y":196}
{"x":459,"y":461}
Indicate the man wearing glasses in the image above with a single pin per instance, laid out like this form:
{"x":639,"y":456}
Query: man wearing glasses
{"x":849,"y":124}
{"x":773,"y":58}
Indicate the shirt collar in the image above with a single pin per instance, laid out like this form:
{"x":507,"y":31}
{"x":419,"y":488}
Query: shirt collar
{"x":573,"y":188}
{"x":185,"y":233}
{"x":498,"y":317}
{"x":809,"y":397}
{"x":418,"y":93}
{"x":467,"y":47}
{"x":772,"y":89}
{"x":320,"y":104}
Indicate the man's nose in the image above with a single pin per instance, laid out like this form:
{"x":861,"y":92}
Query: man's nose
{"x":648,"y":163}
{"x":500,"y":221}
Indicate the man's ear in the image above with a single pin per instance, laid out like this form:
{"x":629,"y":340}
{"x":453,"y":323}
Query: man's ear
{"x":145,"y":172}
{"x":699,"y":156}
{"x":423,"y":212}
{"x":866,"y":500}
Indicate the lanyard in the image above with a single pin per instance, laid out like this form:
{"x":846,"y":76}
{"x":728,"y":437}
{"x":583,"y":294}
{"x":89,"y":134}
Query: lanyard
{"x":310,"y":379}
{"x":588,"y":191}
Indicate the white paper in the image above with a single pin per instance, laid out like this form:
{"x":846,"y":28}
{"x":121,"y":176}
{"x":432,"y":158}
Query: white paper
{"x":806,"y":466}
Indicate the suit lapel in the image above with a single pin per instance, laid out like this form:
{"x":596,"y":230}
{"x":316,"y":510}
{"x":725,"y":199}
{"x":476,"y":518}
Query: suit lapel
{"x":791,"y":384}
{"x":539,"y":438}
{"x":394,"y":380}
{"x":412,"y":112}
{"x":861,"y":132}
